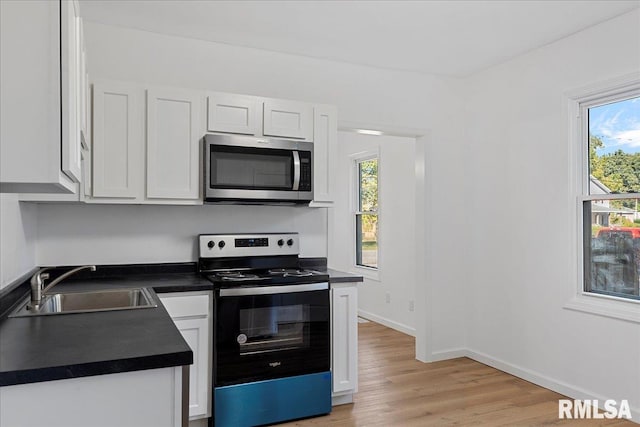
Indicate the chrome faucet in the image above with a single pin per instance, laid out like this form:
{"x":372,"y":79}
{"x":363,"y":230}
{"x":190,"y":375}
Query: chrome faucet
{"x":38,"y":289}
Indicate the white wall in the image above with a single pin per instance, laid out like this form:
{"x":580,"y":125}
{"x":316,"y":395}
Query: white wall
{"x":17,"y":238}
{"x":520,"y":219}
{"x":362,"y":94}
{"x":396,"y":184}
{"x":121,"y":234}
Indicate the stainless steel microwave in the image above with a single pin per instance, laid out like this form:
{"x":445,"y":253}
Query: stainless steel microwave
{"x":247,"y":169}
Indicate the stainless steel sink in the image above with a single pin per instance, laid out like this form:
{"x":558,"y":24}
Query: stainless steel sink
{"x":89,"y":301}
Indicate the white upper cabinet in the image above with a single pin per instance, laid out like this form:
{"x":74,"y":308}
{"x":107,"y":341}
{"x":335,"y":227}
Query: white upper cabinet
{"x":34,"y":159}
{"x":173,"y":143}
{"x":231,"y":113}
{"x":146,"y":152}
{"x":325,"y":137}
{"x":287,"y":119}
{"x":174,"y":131}
{"x":71,"y":78}
{"x":118,"y":162}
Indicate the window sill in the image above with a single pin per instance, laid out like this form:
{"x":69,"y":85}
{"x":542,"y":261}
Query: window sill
{"x":606,"y":306}
{"x":368,"y":272}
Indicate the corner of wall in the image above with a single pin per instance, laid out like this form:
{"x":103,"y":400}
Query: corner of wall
{"x":18,"y":231}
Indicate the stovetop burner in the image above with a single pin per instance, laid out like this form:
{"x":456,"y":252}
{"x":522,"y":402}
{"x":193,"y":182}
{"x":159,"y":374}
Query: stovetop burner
{"x":246,"y":260}
{"x":236,"y":276}
{"x":290,"y":272}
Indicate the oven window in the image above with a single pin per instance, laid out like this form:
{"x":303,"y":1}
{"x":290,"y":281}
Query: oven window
{"x":251,"y":168}
{"x":269,"y":329}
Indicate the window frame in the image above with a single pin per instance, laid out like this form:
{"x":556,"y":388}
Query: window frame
{"x":356,"y":159}
{"x":579,"y":101}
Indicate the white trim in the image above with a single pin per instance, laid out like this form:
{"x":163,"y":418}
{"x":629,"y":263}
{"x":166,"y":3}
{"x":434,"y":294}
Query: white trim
{"x":578,"y":102}
{"x":401,"y":327}
{"x":340,"y":399}
{"x":423,"y":248}
{"x":605,"y":305}
{"x":617,"y":196}
{"x":455,"y":353}
{"x":391,"y":130}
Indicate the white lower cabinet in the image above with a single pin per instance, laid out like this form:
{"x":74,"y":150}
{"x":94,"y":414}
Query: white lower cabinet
{"x":344,"y":339}
{"x":191,"y":312}
{"x":144,"y":398}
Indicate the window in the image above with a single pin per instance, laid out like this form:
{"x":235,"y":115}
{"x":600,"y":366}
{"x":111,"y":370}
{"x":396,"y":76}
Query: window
{"x":610,"y":175}
{"x":366,"y":212}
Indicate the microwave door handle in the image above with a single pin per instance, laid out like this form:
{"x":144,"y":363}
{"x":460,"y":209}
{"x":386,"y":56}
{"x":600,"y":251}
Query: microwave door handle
{"x":296,"y":171}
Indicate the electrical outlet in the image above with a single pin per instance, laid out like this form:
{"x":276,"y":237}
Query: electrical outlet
{"x":387,"y":297}
{"x":411,"y":305}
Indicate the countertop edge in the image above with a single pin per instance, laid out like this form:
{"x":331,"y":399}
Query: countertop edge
{"x":106,"y":367}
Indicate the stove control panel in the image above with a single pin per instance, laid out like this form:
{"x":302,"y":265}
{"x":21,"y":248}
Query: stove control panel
{"x":238,"y":245}
{"x":250,"y":242}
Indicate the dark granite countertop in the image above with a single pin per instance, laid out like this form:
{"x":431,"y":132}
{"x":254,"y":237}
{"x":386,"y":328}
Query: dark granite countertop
{"x":336,"y":276}
{"x":45,"y":348}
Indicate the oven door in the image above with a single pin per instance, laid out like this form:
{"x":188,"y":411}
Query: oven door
{"x":271,"y":332}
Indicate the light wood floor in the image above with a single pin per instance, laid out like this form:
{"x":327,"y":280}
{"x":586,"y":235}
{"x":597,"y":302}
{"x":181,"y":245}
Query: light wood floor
{"x":397,"y":390}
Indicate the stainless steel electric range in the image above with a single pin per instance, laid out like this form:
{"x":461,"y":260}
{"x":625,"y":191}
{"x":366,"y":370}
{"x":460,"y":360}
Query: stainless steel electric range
{"x":271,"y":338}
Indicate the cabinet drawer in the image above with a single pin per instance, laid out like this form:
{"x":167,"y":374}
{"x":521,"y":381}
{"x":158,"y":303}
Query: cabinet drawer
{"x":185,"y":306}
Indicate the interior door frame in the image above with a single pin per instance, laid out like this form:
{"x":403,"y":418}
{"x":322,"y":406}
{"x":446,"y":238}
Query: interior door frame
{"x":422,"y":227}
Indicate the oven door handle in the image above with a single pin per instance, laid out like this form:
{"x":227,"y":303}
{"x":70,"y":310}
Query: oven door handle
{"x":296,"y":171}
{"x":271,"y":290}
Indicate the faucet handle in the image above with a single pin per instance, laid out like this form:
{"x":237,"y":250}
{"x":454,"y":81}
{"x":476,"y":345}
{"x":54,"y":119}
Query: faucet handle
{"x":39,"y":277}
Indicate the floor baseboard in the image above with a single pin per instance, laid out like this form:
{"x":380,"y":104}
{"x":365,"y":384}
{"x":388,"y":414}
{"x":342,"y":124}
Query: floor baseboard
{"x":387,"y":322}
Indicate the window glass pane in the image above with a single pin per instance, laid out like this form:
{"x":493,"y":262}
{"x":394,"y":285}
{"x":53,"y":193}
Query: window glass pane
{"x":614,"y":147}
{"x":612,"y":247}
{"x":367,"y":240}
{"x":368,"y":185}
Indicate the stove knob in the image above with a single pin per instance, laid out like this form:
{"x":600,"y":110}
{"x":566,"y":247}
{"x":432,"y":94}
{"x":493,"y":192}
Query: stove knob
{"x":289,"y":242}
{"x":280,"y":242}
{"x":221,"y":244}
{"x":211,"y":244}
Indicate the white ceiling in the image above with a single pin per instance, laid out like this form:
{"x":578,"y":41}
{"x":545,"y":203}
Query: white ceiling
{"x":454,"y":38}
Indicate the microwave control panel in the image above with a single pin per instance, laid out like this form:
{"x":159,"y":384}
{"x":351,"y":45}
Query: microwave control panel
{"x":305,"y":171}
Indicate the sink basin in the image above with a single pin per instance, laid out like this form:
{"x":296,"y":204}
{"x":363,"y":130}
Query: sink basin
{"x":90,"y":301}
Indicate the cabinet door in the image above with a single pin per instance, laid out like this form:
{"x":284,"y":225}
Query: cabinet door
{"x":325,"y":137}
{"x":288,"y":119}
{"x":117,"y":140}
{"x":233,"y":113}
{"x":195,"y":333}
{"x":344,"y":360}
{"x":191,"y":314}
{"x":82,"y":85}
{"x":173,"y":135}
{"x":71,"y":160}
